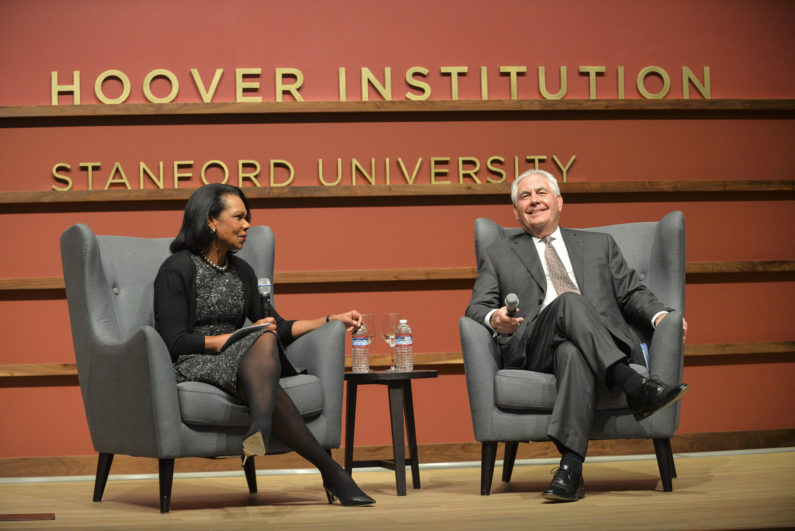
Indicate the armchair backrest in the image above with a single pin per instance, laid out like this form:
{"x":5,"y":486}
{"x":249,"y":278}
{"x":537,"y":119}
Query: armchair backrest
{"x":110,"y":282}
{"x":656,"y":250}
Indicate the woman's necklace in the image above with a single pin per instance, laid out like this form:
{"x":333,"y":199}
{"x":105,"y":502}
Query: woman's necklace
{"x":214,"y":265}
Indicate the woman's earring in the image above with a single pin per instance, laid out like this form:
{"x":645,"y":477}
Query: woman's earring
{"x":212,"y":233}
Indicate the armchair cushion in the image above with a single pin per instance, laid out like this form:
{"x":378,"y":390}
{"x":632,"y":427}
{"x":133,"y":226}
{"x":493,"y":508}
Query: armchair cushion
{"x":202,"y":404}
{"x":515,"y":389}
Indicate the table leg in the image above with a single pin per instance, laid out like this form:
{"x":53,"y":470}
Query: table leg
{"x":396,"y":416}
{"x":350,"y":423}
{"x":408,"y":406}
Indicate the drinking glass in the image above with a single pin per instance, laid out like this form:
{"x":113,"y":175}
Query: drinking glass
{"x":389,"y":325}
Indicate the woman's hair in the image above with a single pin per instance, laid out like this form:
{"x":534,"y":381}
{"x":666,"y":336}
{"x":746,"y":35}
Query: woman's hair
{"x":206,"y":201}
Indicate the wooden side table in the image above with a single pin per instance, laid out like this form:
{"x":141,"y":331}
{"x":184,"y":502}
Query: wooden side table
{"x":400,"y":403}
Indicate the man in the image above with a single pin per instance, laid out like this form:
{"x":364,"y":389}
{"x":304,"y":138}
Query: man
{"x":576,"y":295}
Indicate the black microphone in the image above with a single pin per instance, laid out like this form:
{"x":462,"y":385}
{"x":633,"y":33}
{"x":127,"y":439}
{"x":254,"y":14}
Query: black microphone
{"x":264,"y":288}
{"x":511,"y":301}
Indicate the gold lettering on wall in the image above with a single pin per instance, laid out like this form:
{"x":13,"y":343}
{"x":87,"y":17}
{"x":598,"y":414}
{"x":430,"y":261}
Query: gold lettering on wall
{"x":383,"y":89}
{"x":357,"y":167}
{"x":360,"y":172}
{"x":495,"y":170}
{"x":513,"y":72}
{"x":409,"y":179}
{"x":415,"y":83}
{"x":282,"y":86}
{"x":217,"y":164}
{"x":688,"y":77}
{"x":243,"y":173}
{"x":343,"y":90}
{"x":205,"y":93}
{"x":289,"y":82}
{"x":542,"y":84}
{"x":322,"y":179}
{"x":144,"y":169}
{"x":453,"y":72}
{"x":436,"y":171}
{"x":470,"y":173}
{"x":592,"y":72}
{"x":56,"y":88}
{"x":110,"y":74}
{"x":62,"y":177}
{"x":241,"y":85}
{"x":641,"y":82}
{"x":172,"y":79}
{"x":178,"y":174}
{"x":277,"y":163}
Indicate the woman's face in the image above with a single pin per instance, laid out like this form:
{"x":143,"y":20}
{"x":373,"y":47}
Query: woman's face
{"x":230,"y":225}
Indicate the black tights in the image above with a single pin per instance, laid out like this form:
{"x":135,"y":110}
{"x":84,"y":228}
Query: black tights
{"x":273,"y":412}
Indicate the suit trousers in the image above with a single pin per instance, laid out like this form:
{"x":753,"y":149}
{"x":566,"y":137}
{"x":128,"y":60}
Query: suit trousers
{"x":570,"y":340}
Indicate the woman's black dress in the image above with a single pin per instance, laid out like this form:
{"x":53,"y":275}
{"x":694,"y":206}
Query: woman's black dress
{"x":219,"y":306}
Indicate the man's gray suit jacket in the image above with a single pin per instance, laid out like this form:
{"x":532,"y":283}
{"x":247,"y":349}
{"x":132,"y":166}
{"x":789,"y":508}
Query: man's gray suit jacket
{"x":512,"y":265}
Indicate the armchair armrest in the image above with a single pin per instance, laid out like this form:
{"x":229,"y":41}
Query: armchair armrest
{"x":666,"y":352}
{"x":322,"y":353}
{"x":131,"y":396}
{"x":481,"y":363}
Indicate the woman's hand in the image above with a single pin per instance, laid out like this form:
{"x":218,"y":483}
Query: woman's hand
{"x":270,"y":321}
{"x":351,"y":319}
{"x":212,"y":344}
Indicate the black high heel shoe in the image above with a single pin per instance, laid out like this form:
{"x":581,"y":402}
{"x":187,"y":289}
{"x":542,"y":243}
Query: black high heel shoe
{"x":355,"y":500}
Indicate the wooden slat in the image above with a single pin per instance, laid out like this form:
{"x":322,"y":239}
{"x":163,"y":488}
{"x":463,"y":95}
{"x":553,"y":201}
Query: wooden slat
{"x":38,"y":369}
{"x":285,"y":279}
{"x":760,"y":266}
{"x":438,"y":360}
{"x":740,"y":349}
{"x":574,"y":192}
{"x":378,"y":107}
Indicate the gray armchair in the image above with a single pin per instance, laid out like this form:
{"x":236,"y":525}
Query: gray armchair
{"x":133,"y":404}
{"x":514,"y":406}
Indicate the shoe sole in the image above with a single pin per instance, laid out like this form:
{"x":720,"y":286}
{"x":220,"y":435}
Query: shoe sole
{"x":254,"y":445}
{"x":674,"y":399}
{"x":555,"y":497}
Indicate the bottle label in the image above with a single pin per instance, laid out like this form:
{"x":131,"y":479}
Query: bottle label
{"x":361,"y":341}
{"x":403,"y":341}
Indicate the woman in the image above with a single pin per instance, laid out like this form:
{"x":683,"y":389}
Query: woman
{"x":203,"y":293}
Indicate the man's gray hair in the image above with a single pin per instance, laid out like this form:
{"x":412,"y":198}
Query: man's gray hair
{"x":553,"y":183}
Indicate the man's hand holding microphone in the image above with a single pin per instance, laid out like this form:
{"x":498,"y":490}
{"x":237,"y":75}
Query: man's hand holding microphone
{"x":503,"y":320}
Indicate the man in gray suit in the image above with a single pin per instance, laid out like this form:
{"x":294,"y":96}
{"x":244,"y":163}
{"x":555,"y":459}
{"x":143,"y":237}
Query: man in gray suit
{"x":576,"y":296}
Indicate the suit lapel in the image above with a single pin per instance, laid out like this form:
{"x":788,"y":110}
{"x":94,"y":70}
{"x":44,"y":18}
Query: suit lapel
{"x":574,"y":247}
{"x":524,"y":247}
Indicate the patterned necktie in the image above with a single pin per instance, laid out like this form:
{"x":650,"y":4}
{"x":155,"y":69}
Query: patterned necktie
{"x":557,"y":271}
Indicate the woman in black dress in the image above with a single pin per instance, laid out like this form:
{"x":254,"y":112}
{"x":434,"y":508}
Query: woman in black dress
{"x":203,"y":293}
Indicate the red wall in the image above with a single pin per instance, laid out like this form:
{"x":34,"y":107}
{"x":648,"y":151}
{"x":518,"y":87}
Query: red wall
{"x":746,"y":45}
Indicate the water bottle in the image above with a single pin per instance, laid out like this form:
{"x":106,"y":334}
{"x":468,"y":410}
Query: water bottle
{"x":360,"y":352}
{"x":404,"y":347}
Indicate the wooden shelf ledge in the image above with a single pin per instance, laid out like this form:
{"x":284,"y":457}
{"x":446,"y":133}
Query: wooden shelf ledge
{"x":292,"y":280}
{"x":530,"y":106}
{"x":575,"y":192}
{"x":43,"y":374}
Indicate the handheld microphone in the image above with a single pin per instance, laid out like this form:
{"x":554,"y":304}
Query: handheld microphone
{"x":264,"y":288}
{"x":511,"y":301}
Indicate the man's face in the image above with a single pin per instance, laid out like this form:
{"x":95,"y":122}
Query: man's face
{"x":537,"y":208}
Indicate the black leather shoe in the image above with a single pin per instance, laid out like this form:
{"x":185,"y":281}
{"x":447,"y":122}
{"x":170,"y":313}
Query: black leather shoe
{"x":567,"y":485}
{"x":653,"y":396}
{"x":348,"y":499}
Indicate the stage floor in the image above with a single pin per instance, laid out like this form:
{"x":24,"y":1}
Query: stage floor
{"x":731,"y":490}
